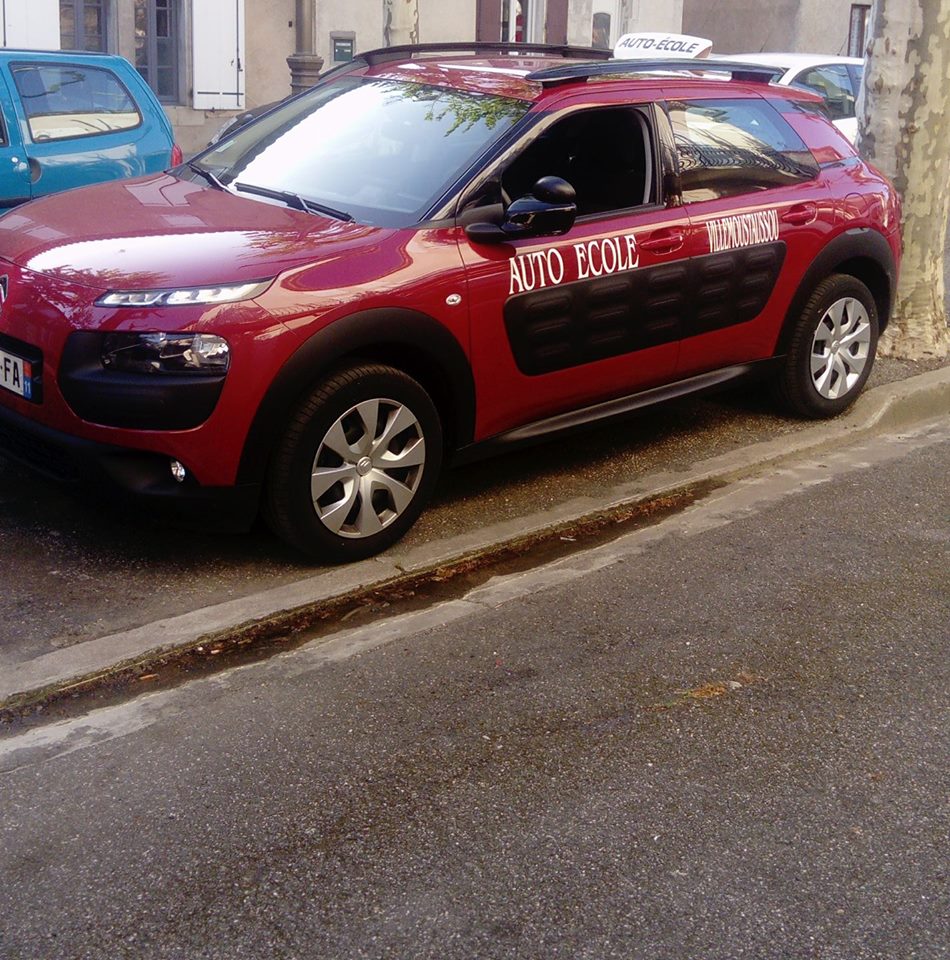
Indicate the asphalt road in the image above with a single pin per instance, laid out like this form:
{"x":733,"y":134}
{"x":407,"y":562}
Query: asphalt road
{"x":722,"y":736}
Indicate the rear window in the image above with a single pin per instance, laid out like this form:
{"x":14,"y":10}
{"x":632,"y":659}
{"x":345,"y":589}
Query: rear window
{"x":730,"y":147}
{"x":62,"y":101}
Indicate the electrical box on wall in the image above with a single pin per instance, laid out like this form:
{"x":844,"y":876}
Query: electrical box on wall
{"x":342,"y":46}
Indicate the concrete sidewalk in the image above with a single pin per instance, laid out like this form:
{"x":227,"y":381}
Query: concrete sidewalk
{"x":31,"y":670}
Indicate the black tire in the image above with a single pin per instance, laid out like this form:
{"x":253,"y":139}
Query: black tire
{"x":805,"y":386}
{"x":329,"y":419}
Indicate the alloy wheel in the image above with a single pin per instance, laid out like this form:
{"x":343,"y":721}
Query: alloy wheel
{"x":840,"y":348}
{"x":367,"y":468}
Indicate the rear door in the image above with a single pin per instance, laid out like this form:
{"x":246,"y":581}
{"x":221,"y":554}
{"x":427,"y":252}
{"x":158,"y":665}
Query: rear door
{"x":14,"y":169}
{"x":759,"y":215}
{"x":561,"y":322}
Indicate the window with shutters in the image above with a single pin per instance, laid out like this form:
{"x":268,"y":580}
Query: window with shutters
{"x":512,"y":21}
{"x":600,"y":31}
{"x":156,"y":46}
{"x":82,"y":25}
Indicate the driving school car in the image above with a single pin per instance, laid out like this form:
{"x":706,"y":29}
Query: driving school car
{"x":433,"y":254}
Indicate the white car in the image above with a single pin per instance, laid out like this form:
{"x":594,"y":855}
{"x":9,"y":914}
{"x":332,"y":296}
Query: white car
{"x":836,"y":79}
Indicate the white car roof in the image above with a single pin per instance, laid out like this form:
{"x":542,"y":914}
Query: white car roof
{"x":793,"y":61}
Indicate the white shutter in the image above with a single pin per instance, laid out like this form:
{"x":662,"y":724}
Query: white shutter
{"x":218,"y":44}
{"x":30,"y":23}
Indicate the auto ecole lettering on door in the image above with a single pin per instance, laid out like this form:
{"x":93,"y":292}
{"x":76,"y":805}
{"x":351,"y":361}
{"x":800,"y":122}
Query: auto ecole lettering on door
{"x":586,"y":301}
{"x":592,"y":258}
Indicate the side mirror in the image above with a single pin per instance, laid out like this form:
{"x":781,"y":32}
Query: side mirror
{"x":554,"y":190}
{"x":548,"y":211}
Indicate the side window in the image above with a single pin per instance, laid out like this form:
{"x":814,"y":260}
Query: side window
{"x":157,"y":41}
{"x":70,"y":100}
{"x":82,"y":25}
{"x":606,"y":155}
{"x":731,"y":147}
{"x":833,"y":82}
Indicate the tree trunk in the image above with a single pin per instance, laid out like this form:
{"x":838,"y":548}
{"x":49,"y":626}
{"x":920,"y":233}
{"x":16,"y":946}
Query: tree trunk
{"x":904,"y":130}
{"x":400,"y":22}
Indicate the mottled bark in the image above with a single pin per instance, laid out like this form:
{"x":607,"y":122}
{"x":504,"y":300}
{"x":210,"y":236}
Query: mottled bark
{"x":904,"y":129}
{"x":400,"y":22}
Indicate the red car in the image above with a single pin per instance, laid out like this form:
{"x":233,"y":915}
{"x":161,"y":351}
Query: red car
{"x":432,"y":254}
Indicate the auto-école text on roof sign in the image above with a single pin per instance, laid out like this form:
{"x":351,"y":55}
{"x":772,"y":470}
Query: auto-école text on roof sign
{"x":633,"y":45}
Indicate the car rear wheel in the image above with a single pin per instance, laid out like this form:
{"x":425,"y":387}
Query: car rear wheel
{"x":356,"y":464}
{"x":832,"y":349}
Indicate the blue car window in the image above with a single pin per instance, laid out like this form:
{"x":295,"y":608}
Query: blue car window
{"x":62,"y":101}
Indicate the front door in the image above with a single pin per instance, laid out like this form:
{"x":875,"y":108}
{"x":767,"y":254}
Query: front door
{"x":559,"y":323}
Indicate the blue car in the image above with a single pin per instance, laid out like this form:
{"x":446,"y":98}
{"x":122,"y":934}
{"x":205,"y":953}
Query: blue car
{"x":68,"y":119}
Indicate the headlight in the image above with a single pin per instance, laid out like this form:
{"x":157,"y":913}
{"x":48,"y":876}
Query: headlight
{"x":155,"y":298}
{"x":165,"y":353}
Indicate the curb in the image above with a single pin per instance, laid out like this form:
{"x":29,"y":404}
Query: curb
{"x":888,"y":407}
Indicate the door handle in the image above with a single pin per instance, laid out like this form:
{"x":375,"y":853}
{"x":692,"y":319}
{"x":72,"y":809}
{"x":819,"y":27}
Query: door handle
{"x":800,"y":214}
{"x":663,"y":241}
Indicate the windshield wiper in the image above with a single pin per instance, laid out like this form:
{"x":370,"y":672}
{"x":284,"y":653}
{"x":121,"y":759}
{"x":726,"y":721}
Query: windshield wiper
{"x":207,"y":174}
{"x":315,"y":207}
{"x":294,"y":200}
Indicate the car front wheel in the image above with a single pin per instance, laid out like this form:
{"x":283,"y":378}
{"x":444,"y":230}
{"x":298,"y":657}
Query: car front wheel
{"x":831,"y":350}
{"x":356,"y":464}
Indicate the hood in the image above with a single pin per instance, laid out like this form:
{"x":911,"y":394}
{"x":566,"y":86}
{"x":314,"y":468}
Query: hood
{"x":160,"y":231}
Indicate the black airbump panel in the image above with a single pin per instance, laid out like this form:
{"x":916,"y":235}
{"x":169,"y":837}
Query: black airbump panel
{"x":602,"y":317}
{"x":732,"y":287}
{"x":594,"y":319}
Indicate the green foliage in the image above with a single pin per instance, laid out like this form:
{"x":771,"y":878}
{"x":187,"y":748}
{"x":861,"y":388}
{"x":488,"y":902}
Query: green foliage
{"x":465,"y":109}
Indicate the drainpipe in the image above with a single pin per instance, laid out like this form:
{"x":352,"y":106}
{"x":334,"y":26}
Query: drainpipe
{"x":305,"y":65}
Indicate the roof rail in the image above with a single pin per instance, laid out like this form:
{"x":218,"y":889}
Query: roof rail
{"x":372,"y":58}
{"x":754,"y":72}
{"x":407,"y":51}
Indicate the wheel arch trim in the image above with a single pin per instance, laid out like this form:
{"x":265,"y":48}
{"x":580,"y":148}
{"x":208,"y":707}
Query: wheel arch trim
{"x":862,"y":253}
{"x":385,"y":335}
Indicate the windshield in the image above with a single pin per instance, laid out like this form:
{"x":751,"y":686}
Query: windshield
{"x":380,"y":151}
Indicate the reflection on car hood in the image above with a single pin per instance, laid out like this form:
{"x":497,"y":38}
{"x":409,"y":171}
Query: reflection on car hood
{"x":160,"y":231}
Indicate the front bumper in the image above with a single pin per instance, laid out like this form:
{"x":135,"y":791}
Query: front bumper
{"x":140,"y":476}
{"x":132,"y":422}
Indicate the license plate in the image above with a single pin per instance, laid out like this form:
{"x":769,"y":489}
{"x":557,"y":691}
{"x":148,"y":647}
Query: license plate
{"x":16,"y":375}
